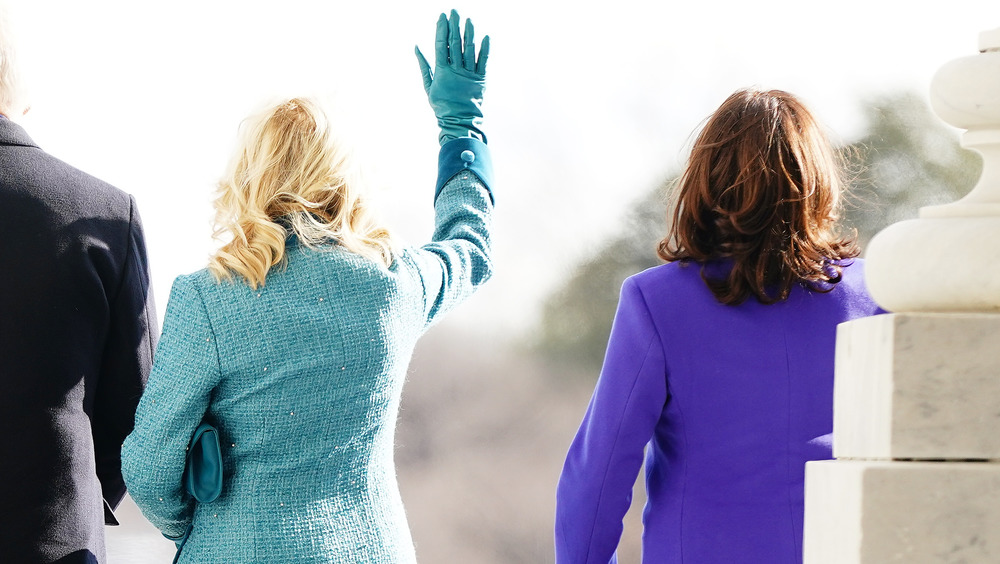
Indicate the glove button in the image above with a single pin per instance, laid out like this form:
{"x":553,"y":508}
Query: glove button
{"x":468,"y":156}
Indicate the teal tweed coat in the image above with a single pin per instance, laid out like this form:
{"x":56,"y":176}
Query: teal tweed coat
{"x":303,"y":379}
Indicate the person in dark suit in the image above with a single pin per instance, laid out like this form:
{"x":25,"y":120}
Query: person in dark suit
{"x":77,"y":332}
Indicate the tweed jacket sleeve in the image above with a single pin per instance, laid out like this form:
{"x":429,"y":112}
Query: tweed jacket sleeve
{"x":458,"y":259}
{"x":180,"y":385}
{"x":595,"y":488}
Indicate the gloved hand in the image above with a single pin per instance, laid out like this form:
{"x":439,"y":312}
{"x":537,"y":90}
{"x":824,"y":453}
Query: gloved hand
{"x":455,"y":88}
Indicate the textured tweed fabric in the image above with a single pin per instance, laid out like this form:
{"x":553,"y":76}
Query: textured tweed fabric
{"x":303,"y":378}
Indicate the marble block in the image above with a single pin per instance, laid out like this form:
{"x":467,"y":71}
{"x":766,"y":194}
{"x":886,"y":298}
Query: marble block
{"x":918,"y":386}
{"x":887,"y":512}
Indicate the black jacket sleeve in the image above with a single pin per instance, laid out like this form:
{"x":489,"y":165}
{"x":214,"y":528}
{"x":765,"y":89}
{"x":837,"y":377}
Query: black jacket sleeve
{"x":127,"y":359}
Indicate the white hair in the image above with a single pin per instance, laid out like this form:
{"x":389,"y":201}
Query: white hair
{"x":11,"y":93}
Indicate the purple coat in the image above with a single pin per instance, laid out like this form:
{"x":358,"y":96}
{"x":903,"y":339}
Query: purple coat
{"x":729,"y":403}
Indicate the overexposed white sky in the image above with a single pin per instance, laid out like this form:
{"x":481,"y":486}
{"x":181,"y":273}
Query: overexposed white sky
{"x":588,"y":106}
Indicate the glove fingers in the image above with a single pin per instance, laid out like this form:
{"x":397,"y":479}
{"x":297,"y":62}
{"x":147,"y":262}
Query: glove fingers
{"x":484,"y":53}
{"x":441,"y":41}
{"x":454,"y":41}
{"x":469,"y":47}
{"x":425,"y":70}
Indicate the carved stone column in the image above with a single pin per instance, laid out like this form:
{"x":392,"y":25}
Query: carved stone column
{"x":917,"y":392}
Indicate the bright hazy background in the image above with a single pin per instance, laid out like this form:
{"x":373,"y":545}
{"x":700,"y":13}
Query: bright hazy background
{"x":589,"y":106}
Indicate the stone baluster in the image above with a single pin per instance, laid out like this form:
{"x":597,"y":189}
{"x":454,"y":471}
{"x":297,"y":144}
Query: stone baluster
{"x":917,"y":395}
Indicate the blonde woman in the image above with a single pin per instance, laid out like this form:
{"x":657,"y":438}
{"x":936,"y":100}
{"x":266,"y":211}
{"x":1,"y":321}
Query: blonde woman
{"x":294,"y":341}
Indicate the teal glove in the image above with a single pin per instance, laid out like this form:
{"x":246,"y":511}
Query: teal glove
{"x":455,"y":88}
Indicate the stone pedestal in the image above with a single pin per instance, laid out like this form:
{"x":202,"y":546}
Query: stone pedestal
{"x":917,"y":392}
{"x":890,"y":512}
{"x":918,"y":385}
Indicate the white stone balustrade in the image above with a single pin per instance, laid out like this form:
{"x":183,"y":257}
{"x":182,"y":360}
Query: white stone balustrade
{"x":901,"y":512}
{"x":917,"y":393}
{"x":906,"y":382}
{"x":948,"y":259}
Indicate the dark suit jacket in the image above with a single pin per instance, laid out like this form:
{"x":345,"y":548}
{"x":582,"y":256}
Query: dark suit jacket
{"x":77,"y":332}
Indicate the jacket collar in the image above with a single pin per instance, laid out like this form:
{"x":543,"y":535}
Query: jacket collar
{"x":13,"y":134}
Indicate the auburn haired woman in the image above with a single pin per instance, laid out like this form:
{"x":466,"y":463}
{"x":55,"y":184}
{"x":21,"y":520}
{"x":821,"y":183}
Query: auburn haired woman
{"x":720,"y":363}
{"x":294,"y":342}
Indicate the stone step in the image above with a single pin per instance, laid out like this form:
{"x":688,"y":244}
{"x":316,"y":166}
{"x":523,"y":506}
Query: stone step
{"x":918,"y":386}
{"x":887,"y":512}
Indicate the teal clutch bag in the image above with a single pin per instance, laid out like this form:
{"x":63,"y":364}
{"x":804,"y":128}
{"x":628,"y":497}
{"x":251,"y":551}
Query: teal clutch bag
{"x":203,"y":472}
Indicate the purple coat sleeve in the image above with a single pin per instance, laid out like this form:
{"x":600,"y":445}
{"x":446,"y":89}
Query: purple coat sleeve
{"x":595,"y":488}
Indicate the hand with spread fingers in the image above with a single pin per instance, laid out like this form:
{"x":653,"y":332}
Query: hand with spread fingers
{"x":455,"y":87}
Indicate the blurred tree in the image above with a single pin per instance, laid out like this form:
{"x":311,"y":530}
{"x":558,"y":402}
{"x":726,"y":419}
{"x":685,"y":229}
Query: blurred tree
{"x":907,"y":159}
{"x":576,"y":319}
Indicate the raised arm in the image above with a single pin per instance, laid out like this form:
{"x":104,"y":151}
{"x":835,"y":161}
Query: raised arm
{"x":458,"y":259}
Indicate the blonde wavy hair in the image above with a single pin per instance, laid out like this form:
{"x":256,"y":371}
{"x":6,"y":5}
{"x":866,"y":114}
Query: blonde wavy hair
{"x":290,"y":175}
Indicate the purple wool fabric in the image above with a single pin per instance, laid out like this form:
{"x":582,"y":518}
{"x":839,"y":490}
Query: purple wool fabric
{"x":729,"y":403}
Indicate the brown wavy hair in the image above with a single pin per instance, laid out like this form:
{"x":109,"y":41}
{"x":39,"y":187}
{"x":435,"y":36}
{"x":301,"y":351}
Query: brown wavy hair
{"x":762,"y":190}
